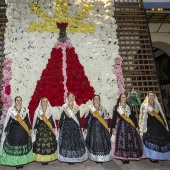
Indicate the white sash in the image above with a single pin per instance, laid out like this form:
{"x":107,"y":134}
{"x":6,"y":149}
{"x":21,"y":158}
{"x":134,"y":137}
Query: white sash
{"x":92,"y":108}
{"x":120,"y":110}
{"x":97,"y":115}
{"x":70,"y":113}
{"x":124,"y":116}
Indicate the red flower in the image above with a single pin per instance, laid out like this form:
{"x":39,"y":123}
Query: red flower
{"x":51,"y":81}
{"x":8,"y":90}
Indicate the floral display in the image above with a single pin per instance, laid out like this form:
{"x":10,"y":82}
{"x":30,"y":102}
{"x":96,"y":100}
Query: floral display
{"x":6,"y":91}
{"x":75,"y":23}
{"x":63,"y":68}
{"x":119,"y":74}
{"x":44,"y":66}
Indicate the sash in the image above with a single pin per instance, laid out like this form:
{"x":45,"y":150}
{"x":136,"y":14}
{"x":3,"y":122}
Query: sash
{"x":21,"y":122}
{"x":123,"y":115}
{"x":99,"y":117}
{"x":70,"y":113}
{"x":155,"y":114}
{"x":46,"y":121}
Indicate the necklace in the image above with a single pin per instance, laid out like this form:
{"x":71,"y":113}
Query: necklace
{"x":123,"y":105}
{"x":70,"y":106}
{"x":152,"y":104}
{"x":97,"y":107}
{"x":44,"y":109}
{"x":18,"y":109}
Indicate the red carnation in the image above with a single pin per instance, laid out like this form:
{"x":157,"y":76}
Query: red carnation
{"x":8,"y":90}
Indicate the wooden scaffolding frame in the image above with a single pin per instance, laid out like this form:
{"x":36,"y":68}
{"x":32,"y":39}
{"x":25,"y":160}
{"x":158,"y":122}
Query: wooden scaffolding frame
{"x":135,"y":47}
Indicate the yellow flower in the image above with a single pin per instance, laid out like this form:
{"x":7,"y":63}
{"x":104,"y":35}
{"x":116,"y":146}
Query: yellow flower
{"x":75,"y":23}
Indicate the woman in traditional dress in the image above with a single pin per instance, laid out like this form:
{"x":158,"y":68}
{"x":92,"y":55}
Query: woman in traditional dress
{"x":128,"y":145}
{"x":16,"y":144}
{"x":98,"y":132}
{"x":154,"y":129}
{"x":71,"y":144}
{"x":45,"y":133}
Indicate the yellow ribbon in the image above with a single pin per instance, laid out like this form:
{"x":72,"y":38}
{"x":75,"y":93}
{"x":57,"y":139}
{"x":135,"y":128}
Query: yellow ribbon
{"x":47,"y":122}
{"x":101,"y":120}
{"x":127,"y":119}
{"x":22,"y":123}
{"x":154,"y":113}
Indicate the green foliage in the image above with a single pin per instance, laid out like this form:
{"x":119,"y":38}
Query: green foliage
{"x":134,"y":99}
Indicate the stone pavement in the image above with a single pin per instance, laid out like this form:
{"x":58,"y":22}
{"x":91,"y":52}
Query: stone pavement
{"x":114,"y":164}
{"x":143,"y":164}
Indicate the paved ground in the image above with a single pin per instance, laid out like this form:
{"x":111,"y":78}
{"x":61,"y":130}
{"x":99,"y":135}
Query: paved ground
{"x":89,"y":165}
{"x":144,"y":164}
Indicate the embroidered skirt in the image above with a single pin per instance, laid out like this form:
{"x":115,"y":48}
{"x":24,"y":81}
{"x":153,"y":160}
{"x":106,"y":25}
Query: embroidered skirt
{"x":128,"y":144}
{"x":156,"y":140}
{"x":17,"y":147}
{"x":45,"y":146}
{"x":71,"y":145}
{"x":98,"y":141}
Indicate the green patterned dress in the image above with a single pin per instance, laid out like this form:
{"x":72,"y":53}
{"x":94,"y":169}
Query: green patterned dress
{"x":17,"y":147}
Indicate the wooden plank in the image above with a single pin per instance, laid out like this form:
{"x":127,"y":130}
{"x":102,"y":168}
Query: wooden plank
{"x":133,"y":38}
{"x":3,"y":21}
{"x":123,"y":39}
{"x":131,"y":34}
{"x":136,"y":81}
{"x":118,"y":15}
{"x":131,"y":29}
{"x":130,"y":20}
{"x":134,"y":25}
{"x":135,"y":44}
{"x":129,"y":54}
{"x":139,"y":64}
{"x":140,"y":75}
{"x":128,"y":11}
{"x":135,"y":49}
{"x":128,"y":7}
{"x":129,"y":70}
{"x":125,"y":59}
{"x":153,"y":86}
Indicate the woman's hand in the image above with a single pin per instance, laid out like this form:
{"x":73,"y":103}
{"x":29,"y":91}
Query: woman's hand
{"x":137,"y":129}
{"x":109,"y":130}
{"x":54,"y":131}
{"x":35,"y":131}
{"x":114,"y":132}
{"x":85,"y":131}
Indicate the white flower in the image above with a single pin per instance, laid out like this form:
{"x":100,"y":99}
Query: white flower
{"x":30,"y":51}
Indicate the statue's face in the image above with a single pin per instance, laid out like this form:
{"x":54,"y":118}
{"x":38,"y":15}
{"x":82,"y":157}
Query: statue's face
{"x":63,"y":32}
{"x":62,"y":35}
